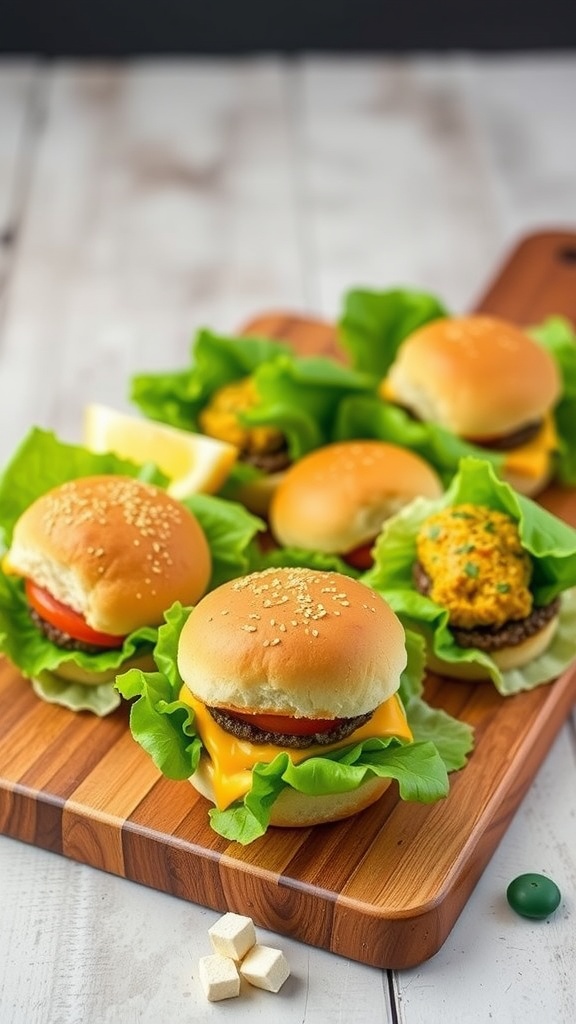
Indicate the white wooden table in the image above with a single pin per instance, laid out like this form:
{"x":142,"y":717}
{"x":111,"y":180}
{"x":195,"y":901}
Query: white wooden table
{"x":141,"y":201}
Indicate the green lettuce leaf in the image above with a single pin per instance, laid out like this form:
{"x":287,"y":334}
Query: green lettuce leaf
{"x":301,"y":396}
{"x":373,"y":324}
{"x":292,"y":557}
{"x":550,"y":542}
{"x":164,"y":726}
{"x":368,"y":416}
{"x":41,"y":462}
{"x":558,"y":337}
{"x":453,"y":739}
{"x":177,"y":397}
{"x":230,"y":531}
{"x":298,"y":396}
{"x":37,"y":658}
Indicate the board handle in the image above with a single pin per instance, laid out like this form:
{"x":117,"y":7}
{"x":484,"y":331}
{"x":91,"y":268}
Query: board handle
{"x":537,"y":280}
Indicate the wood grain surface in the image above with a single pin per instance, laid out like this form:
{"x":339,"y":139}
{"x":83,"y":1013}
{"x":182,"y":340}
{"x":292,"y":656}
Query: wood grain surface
{"x":384,"y":887}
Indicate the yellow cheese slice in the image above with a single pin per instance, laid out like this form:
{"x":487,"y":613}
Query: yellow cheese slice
{"x":233,"y":759}
{"x":533,"y":458}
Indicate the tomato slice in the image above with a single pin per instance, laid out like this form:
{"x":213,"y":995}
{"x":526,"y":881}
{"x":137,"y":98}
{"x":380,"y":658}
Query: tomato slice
{"x":286,"y":724}
{"x":66,"y":619}
{"x":361,"y":557}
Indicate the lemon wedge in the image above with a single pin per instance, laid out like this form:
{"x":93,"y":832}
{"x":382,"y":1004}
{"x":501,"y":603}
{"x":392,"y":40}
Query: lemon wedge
{"x":192,"y":462}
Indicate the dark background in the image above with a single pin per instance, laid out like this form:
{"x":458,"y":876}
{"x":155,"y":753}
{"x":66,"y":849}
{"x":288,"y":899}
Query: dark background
{"x":118,"y":28}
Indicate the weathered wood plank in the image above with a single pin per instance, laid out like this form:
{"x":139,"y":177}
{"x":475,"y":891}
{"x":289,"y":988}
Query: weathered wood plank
{"x":373,"y":172}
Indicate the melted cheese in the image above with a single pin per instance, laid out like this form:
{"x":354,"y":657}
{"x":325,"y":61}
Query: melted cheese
{"x":7,"y":567}
{"x":233,"y":759}
{"x":386,"y":391}
{"x":533,"y":458}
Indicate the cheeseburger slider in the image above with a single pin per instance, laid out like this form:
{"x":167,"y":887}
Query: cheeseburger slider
{"x":335,"y":499}
{"x":484,"y":574}
{"x":282,"y":705}
{"x":98,"y":560}
{"x":490,"y":384}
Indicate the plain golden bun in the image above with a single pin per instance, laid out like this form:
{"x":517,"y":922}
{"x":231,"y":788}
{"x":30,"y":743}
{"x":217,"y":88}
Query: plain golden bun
{"x":529,"y":485}
{"x":478,"y":376}
{"x":293,"y":642}
{"x":293,"y":809}
{"x":515,"y":656}
{"x":115,"y":549}
{"x":336,"y":498}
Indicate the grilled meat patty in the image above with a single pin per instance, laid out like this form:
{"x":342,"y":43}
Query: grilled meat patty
{"x":268,"y":462}
{"x":244,"y":731}
{"x":61,"y":639}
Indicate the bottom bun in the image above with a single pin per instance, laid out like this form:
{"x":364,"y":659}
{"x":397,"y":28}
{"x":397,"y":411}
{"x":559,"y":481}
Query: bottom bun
{"x":299,"y":810}
{"x":528,"y":485}
{"x":256,"y":495}
{"x":72,"y":673}
{"x":507,"y":658}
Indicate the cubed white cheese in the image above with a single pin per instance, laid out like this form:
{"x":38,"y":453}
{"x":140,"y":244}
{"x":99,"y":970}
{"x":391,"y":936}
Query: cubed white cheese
{"x":265,"y":967}
{"x":219,"y":977}
{"x":232,"y":935}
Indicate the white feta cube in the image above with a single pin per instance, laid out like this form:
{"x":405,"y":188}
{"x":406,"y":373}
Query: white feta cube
{"x":219,"y":977}
{"x":265,"y":967}
{"x":232,"y":935}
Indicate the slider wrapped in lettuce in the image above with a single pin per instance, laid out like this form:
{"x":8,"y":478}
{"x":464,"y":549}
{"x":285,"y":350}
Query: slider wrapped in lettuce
{"x":93,"y":552}
{"x":453,"y":386}
{"x":486,"y":576}
{"x":252,"y":392}
{"x":291,"y":697}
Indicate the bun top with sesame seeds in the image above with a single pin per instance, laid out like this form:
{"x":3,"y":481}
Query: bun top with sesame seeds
{"x":479,"y":376}
{"x":114,"y":549}
{"x":293,"y":642}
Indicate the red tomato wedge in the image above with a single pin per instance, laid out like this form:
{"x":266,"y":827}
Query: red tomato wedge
{"x":286,"y":724}
{"x":360,"y":557}
{"x":66,"y":619}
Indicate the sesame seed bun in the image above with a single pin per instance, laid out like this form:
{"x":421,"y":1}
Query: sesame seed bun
{"x":336,"y":498}
{"x":479,"y":376}
{"x":293,"y":642}
{"x":114,"y":549}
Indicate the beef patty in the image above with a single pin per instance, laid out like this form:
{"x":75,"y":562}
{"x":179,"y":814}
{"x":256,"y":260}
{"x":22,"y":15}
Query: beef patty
{"x":512,"y":440}
{"x":244,"y":731}
{"x":61,"y":639}
{"x":268,"y":462}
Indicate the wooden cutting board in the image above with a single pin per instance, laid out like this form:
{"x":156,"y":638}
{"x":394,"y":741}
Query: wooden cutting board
{"x":384,"y":887}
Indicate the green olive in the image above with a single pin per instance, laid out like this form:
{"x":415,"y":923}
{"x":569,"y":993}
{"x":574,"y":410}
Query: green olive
{"x":533,"y":895}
